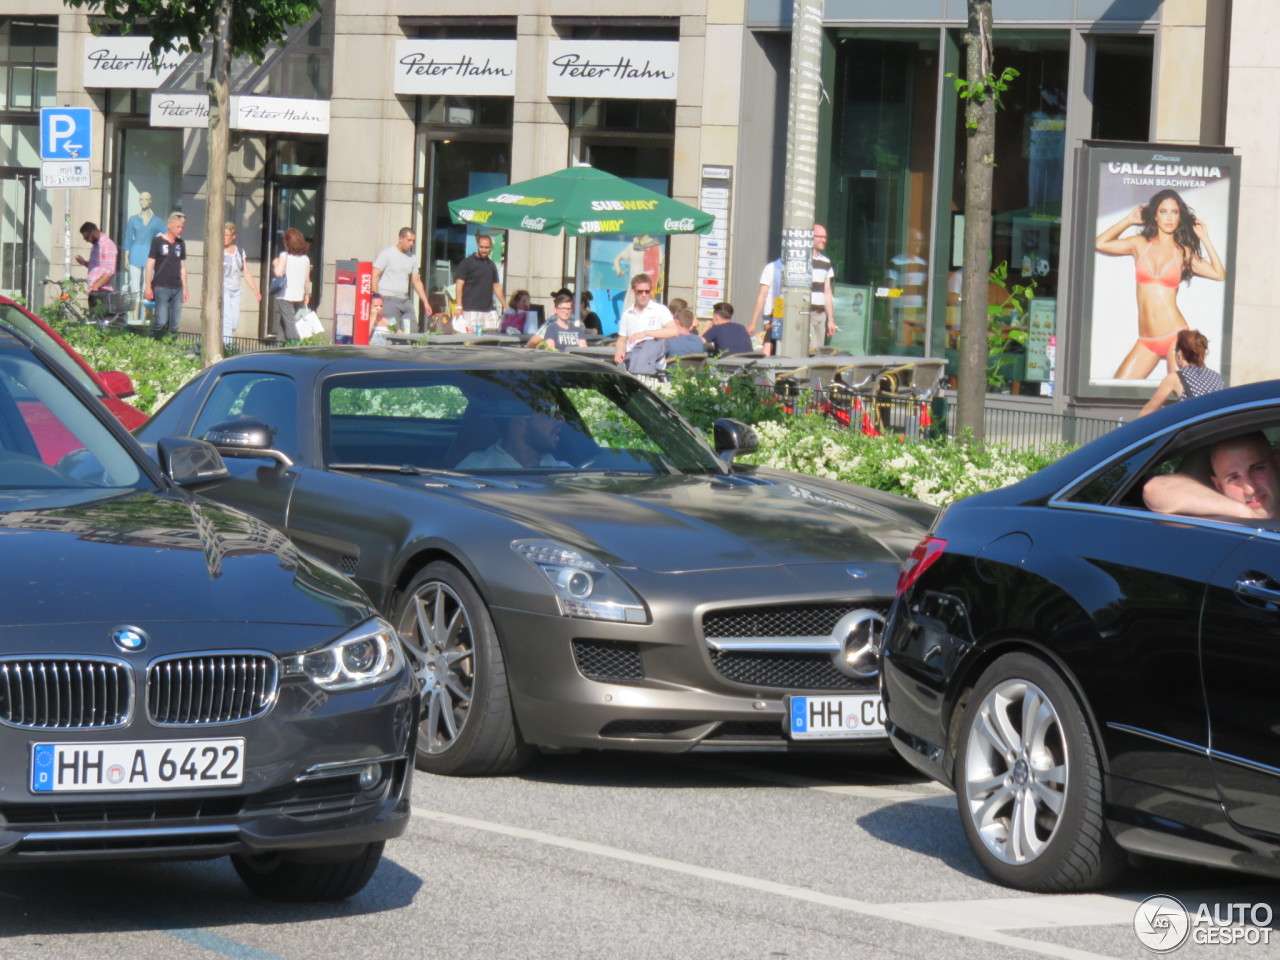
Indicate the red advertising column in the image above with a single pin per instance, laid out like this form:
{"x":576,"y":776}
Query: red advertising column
{"x":353,"y":284}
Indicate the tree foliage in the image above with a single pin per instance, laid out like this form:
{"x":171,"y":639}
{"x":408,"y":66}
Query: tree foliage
{"x":182,"y":25}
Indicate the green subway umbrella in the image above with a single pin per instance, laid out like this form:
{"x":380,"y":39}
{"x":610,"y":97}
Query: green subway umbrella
{"x":583,"y":201}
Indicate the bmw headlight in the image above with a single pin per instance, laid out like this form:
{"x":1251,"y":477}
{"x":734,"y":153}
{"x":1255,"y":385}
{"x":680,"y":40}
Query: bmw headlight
{"x":584,"y":587}
{"x":362,"y":657}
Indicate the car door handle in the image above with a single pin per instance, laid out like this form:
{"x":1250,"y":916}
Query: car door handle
{"x":1258,"y":589}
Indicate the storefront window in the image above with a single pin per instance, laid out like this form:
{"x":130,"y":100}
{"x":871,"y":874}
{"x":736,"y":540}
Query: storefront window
{"x":1026,"y":212}
{"x":881,"y":189}
{"x":468,"y":150}
{"x":28,"y":64}
{"x":147,"y":186}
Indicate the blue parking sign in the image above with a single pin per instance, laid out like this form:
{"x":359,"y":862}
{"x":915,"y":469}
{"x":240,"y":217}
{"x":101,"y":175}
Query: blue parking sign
{"x":65,"y":133}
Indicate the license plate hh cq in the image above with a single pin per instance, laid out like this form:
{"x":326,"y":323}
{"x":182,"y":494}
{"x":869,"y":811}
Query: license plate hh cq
{"x":836,"y":718}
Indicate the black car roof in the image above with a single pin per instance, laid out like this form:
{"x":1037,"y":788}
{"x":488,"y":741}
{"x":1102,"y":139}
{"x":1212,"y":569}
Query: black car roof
{"x":1057,"y":475}
{"x":353,"y":359}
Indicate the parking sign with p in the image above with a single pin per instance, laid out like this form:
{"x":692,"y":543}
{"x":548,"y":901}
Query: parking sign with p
{"x":65,"y":133}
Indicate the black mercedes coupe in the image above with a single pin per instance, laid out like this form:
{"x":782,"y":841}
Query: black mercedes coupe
{"x":177,"y":680}
{"x":1096,"y":679}
{"x":578,"y":568}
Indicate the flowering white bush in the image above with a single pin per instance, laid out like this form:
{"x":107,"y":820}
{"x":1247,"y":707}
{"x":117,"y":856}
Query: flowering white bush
{"x":934,"y":471}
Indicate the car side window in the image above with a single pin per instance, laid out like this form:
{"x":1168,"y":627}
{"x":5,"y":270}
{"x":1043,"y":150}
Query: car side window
{"x":270,"y":398}
{"x":1118,"y":483}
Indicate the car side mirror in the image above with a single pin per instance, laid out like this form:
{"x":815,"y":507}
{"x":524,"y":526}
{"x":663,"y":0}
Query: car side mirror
{"x":245,"y":437}
{"x":190,"y":463}
{"x":732,"y":437}
{"x":117,"y":383}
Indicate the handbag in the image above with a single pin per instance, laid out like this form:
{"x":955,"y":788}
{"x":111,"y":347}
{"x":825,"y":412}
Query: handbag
{"x":308,"y":324}
{"x":276,"y":287}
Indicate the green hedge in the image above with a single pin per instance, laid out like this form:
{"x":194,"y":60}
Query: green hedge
{"x":935,"y":471}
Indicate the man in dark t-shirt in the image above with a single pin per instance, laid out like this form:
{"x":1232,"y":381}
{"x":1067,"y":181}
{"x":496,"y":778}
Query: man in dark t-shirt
{"x":476,"y":285}
{"x":166,"y":278}
{"x":724,"y":335}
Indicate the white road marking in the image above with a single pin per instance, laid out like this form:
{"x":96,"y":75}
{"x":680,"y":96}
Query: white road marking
{"x":915,"y":914}
{"x":1041,"y":910}
{"x":925,"y":791}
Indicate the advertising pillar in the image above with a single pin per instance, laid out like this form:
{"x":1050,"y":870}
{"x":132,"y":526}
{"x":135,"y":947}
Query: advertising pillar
{"x":353,"y":285}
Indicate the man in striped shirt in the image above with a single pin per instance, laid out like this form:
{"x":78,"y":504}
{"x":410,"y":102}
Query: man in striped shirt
{"x":101,"y":265}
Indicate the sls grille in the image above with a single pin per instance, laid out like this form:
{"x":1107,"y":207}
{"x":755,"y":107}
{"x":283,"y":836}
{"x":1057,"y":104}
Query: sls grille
{"x":801,"y":671}
{"x":782,"y":621}
{"x":215,"y":688}
{"x":608,"y":661}
{"x":64,"y":693}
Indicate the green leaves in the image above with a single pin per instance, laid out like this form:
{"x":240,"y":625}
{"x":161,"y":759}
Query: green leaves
{"x":992,"y":85}
{"x":182,"y":25}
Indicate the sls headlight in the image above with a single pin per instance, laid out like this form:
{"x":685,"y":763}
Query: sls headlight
{"x":363,"y":656}
{"x":584,"y":587}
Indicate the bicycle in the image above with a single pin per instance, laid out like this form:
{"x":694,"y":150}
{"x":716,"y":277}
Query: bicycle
{"x":112,"y":309}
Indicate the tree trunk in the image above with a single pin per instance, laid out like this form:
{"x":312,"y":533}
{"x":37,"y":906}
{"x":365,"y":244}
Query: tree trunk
{"x":219,"y":87}
{"x":980,"y":124}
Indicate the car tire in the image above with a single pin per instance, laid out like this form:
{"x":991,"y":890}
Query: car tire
{"x":1028,"y":782}
{"x":301,"y":878}
{"x":468,"y":726}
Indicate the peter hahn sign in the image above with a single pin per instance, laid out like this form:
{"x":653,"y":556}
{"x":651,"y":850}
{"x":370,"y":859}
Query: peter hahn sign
{"x":463,"y":68}
{"x":624,"y":69}
{"x":269,"y":114}
{"x":126,"y":62}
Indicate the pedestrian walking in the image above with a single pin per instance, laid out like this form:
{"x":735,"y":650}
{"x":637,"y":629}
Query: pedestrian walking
{"x":476,"y":286}
{"x":166,"y":280}
{"x":395,"y":269}
{"x":103,"y":257}
{"x":234,"y":270}
{"x":295,"y":266}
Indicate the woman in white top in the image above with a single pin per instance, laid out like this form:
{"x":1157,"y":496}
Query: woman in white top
{"x":295,"y":266}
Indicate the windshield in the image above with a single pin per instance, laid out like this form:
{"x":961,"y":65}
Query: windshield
{"x":51,"y":443}
{"x":494,"y":421}
{"x":14,"y":317}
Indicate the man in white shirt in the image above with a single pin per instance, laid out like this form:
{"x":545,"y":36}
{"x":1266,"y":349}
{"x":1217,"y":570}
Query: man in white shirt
{"x":636,"y":322}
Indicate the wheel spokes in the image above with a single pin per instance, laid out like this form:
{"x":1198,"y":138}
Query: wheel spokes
{"x":441,"y":629}
{"x":1015,"y":771}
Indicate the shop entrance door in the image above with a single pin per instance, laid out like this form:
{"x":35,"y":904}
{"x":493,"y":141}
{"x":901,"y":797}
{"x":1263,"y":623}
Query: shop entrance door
{"x":22,"y":203}
{"x":293,"y":201}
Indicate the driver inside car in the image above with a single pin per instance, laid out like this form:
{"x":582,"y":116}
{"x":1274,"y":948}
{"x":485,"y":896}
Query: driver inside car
{"x":527,"y":440}
{"x":1244,"y":482}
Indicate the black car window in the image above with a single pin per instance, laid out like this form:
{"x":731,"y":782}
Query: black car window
{"x":460,"y":420}
{"x":13,"y":316}
{"x":1116,"y":482}
{"x":269,"y":397}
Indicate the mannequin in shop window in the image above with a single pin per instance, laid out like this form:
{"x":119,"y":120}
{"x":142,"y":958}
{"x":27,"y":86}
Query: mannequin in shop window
{"x":136,"y":246}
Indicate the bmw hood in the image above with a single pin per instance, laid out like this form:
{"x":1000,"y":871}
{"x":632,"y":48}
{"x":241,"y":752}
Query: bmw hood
{"x":686,"y":523}
{"x":141,"y":558}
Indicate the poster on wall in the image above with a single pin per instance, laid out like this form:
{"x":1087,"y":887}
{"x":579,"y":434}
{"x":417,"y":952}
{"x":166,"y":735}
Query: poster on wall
{"x":1157,"y":241}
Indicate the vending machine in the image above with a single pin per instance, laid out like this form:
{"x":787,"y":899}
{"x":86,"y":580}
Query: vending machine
{"x":353,"y":285}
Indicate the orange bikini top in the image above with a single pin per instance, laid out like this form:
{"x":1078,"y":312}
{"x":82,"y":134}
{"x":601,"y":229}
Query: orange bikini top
{"x":1143,"y":274}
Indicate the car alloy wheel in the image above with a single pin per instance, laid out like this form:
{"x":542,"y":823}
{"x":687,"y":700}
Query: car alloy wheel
{"x":1028,"y":781}
{"x":467,"y":725}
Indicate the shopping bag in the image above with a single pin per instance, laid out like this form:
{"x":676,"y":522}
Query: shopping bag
{"x":308,"y":324}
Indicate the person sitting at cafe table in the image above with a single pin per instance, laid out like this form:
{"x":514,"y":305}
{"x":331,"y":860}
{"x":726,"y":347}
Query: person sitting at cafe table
{"x":725,"y":335}
{"x":562,"y":331}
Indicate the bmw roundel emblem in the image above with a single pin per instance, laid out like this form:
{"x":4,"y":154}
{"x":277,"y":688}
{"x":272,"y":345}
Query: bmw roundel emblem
{"x":128,"y":639}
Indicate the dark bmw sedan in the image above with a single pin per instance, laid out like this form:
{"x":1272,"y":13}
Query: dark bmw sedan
{"x":577,"y":566}
{"x":1095,"y":678}
{"x":176,"y":680}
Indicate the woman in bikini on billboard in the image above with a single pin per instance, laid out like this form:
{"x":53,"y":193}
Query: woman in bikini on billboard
{"x":1166,"y":252}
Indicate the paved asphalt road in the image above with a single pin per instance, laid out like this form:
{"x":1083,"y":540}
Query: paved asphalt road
{"x":740,"y":857}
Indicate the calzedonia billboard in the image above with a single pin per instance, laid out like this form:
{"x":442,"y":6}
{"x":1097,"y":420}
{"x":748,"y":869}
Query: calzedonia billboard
{"x":1157,"y":255}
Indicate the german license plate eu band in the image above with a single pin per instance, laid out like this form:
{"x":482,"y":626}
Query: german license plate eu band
{"x":836,"y":718}
{"x":136,"y":765}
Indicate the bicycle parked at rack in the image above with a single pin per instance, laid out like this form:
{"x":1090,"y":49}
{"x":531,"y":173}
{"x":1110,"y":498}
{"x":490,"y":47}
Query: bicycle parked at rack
{"x":110,"y":310}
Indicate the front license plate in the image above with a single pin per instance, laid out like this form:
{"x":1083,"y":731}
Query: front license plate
{"x":138,"y":765}
{"x":836,"y":718}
